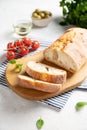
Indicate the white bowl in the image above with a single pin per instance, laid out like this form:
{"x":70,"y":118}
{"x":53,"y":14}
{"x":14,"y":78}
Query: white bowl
{"x":41,"y":22}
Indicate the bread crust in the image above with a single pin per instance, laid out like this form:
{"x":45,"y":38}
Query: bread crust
{"x":70,"y":50}
{"x":58,"y":78}
{"x":28,"y":82}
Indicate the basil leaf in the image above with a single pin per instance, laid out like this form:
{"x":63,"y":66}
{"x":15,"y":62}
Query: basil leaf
{"x":80,"y":105}
{"x":12,"y":61}
{"x":19,"y":66}
{"x":39,"y":123}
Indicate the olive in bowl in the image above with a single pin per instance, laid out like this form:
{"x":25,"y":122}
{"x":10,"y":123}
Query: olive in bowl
{"x":41,"y":18}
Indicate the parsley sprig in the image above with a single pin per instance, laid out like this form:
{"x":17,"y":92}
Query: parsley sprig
{"x":74,"y":12}
{"x":19,"y":66}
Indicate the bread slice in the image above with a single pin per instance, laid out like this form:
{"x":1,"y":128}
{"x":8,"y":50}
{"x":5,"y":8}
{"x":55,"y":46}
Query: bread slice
{"x":70,"y":50}
{"x":45,"y":72}
{"x":28,"y":82}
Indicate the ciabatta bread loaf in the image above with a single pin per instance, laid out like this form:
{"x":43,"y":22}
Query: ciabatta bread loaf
{"x":45,"y":72}
{"x":70,"y":50}
{"x":28,"y":82}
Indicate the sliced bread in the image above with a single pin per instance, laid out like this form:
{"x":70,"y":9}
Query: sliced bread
{"x":45,"y":72}
{"x":70,"y":50}
{"x":28,"y":82}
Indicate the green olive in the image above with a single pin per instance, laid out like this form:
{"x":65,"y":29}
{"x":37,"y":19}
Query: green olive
{"x":38,"y":16}
{"x":42,"y":14}
{"x":37,"y":11}
{"x":34,"y":15}
{"x":47,"y":16}
{"x":50,"y":14}
{"x":47,"y":13}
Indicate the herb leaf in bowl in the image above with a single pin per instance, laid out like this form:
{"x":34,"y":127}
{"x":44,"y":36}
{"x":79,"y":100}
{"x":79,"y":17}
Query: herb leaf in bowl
{"x":74,"y":12}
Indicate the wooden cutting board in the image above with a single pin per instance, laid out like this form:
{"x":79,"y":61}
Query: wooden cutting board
{"x":73,"y":80}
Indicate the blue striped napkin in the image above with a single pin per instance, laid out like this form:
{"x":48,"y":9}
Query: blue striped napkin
{"x":57,"y":102}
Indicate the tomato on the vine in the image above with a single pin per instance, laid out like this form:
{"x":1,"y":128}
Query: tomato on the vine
{"x":10,"y":55}
{"x":35,"y":45}
{"x":10,"y":46}
{"x":27,"y":41}
{"x":21,"y":47}
{"x":18,"y":43}
{"x":23,"y":51}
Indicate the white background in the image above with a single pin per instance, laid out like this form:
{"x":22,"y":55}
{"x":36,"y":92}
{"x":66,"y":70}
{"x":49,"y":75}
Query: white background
{"x":17,"y":113}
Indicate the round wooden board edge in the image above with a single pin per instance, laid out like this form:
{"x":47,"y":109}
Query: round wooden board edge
{"x":47,"y":95}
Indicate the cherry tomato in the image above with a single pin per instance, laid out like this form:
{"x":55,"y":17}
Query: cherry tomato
{"x":10,"y":55}
{"x":10,"y":46}
{"x":35,"y":45}
{"x":23,"y":50}
{"x":27,"y":41}
{"x":18,"y":43}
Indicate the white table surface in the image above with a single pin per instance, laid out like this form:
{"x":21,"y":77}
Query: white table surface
{"x":17,"y":113}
